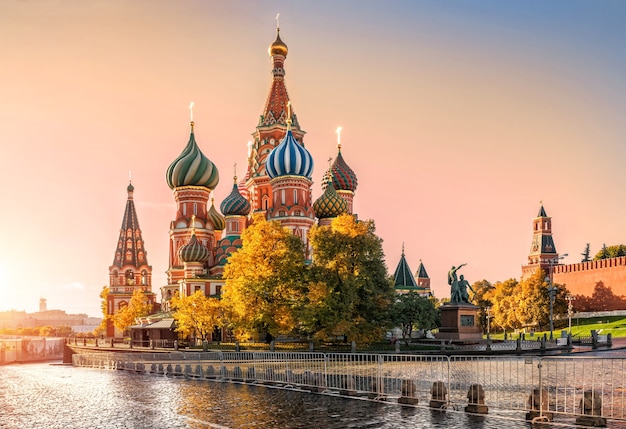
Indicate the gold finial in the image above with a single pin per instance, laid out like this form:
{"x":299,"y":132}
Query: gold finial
{"x":403,"y":248}
{"x":249,"y":149}
{"x":338,"y":131}
{"x":191,"y":115}
{"x":235,"y":170}
{"x":288,"y":115}
{"x":277,"y":21}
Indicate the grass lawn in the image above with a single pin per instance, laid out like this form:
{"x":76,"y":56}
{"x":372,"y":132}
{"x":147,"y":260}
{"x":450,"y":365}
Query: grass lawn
{"x":614,"y":325}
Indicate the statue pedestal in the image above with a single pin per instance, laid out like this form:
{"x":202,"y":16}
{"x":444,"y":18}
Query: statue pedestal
{"x":459,"y":322}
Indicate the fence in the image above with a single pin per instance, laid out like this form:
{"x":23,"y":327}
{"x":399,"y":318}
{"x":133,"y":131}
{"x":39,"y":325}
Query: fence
{"x":590,"y":390}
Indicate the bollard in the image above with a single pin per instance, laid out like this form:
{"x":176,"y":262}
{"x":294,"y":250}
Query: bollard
{"x":237,"y":348}
{"x":397,"y":346}
{"x":311,"y":346}
{"x":543,"y":343}
{"x":175,"y":344}
{"x":408,"y":394}
{"x":518,"y":346}
{"x":353,"y":347}
{"x":476,"y":400}
{"x":538,"y":401}
{"x":272,"y":346}
{"x":205,"y":346}
{"x":591,"y":408}
{"x":438,"y":395}
{"x":609,"y":339}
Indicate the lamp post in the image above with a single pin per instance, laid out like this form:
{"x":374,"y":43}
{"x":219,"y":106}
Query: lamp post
{"x":552,"y":290}
{"x":570,"y":311}
{"x":488,"y":311}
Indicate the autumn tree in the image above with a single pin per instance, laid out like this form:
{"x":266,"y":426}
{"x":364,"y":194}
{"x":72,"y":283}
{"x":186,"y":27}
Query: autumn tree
{"x":106,"y":317}
{"x":138,"y":306}
{"x":483,"y":295}
{"x":197,"y":315}
{"x":411,"y":311}
{"x":505,"y":305}
{"x":264,"y":280}
{"x":350,"y":292}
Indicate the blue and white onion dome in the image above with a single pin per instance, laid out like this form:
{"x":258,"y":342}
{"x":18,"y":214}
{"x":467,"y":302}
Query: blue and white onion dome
{"x":289,"y":158}
{"x":194,"y":251}
{"x":192,"y":168}
{"x":235,"y":204}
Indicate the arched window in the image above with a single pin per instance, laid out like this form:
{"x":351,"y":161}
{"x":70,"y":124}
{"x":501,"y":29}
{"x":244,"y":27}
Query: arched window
{"x":144,"y":278}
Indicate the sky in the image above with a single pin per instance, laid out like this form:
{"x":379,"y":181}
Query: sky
{"x":458,"y":118}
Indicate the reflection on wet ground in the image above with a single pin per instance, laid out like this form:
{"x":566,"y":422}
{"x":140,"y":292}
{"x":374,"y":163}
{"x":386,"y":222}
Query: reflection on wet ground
{"x":54,"y":396}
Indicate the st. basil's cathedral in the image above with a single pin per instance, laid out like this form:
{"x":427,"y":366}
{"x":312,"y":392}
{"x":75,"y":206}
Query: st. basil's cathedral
{"x":277,"y":184}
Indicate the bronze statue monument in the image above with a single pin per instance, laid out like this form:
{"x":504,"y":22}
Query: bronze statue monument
{"x":459,"y":316}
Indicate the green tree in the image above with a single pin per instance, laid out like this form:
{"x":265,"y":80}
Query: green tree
{"x":610,"y":252}
{"x":138,"y":306}
{"x":411,"y":311}
{"x":586,"y":253}
{"x":197,"y":315}
{"x":350,"y":292}
{"x":264,"y":280}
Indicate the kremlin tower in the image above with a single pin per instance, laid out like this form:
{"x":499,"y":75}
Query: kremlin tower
{"x":130,"y":270}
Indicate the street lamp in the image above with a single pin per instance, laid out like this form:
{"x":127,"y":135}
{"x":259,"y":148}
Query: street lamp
{"x":552,"y":290}
{"x":488,"y":311}
{"x":570,"y":310}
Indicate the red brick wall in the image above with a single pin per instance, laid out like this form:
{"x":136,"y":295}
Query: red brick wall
{"x":581,"y":278}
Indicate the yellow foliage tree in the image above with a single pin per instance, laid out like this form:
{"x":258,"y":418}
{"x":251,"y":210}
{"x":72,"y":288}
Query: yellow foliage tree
{"x":264,"y":280}
{"x":197,"y":315}
{"x":102,"y":328}
{"x":138,"y":306}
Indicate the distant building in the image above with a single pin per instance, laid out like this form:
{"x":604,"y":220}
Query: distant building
{"x":579,"y":278}
{"x":45,"y":317}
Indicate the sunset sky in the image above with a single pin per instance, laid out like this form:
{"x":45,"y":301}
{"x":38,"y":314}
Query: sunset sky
{"x":458,"y":118}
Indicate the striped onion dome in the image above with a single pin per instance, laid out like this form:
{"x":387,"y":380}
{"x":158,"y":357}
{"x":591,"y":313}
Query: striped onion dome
{"x":192,"y":168}
{"x":289,"y":158}
{"x":341,"y":174}
{"x":235,"y":204}
{"x":219,"y":223}
{"x":194,"y":251}
{"x":330,"y":204}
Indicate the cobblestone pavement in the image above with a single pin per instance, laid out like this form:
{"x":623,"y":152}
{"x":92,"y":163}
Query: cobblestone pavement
{"x":42,"y":396}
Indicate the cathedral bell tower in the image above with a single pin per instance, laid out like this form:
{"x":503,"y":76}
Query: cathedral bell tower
{"x":130,"y":270}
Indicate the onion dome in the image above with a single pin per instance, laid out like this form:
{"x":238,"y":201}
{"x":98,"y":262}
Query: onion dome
{"x":192,"y":168}
{"x":341,"y":174}
{"x":330,"y":204}
{"x":235,"y":204}
{"x":277,"y":47}
{"x":289,"y":158}
{"x":194,"y":251}
{"x":219,"y":223}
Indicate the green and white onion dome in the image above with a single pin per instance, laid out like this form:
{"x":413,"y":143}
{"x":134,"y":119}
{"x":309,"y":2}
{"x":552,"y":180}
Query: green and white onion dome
{"x":194,"y":251}
{"x":192,"y":168}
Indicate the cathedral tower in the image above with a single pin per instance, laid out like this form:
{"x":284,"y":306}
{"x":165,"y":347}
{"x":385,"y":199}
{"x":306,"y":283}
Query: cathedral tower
{"x":271,"y":128}
{"x":130,"y":270}
{"x":192,"y":177}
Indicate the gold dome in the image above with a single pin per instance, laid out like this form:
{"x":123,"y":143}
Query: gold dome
{"x":278,"y":47}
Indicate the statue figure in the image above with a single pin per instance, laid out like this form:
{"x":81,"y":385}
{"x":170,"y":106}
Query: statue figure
{"x":453,"y":281}
{"x":463,"y":286}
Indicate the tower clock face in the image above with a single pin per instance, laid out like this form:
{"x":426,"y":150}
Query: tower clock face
{"x":535,"y":247}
